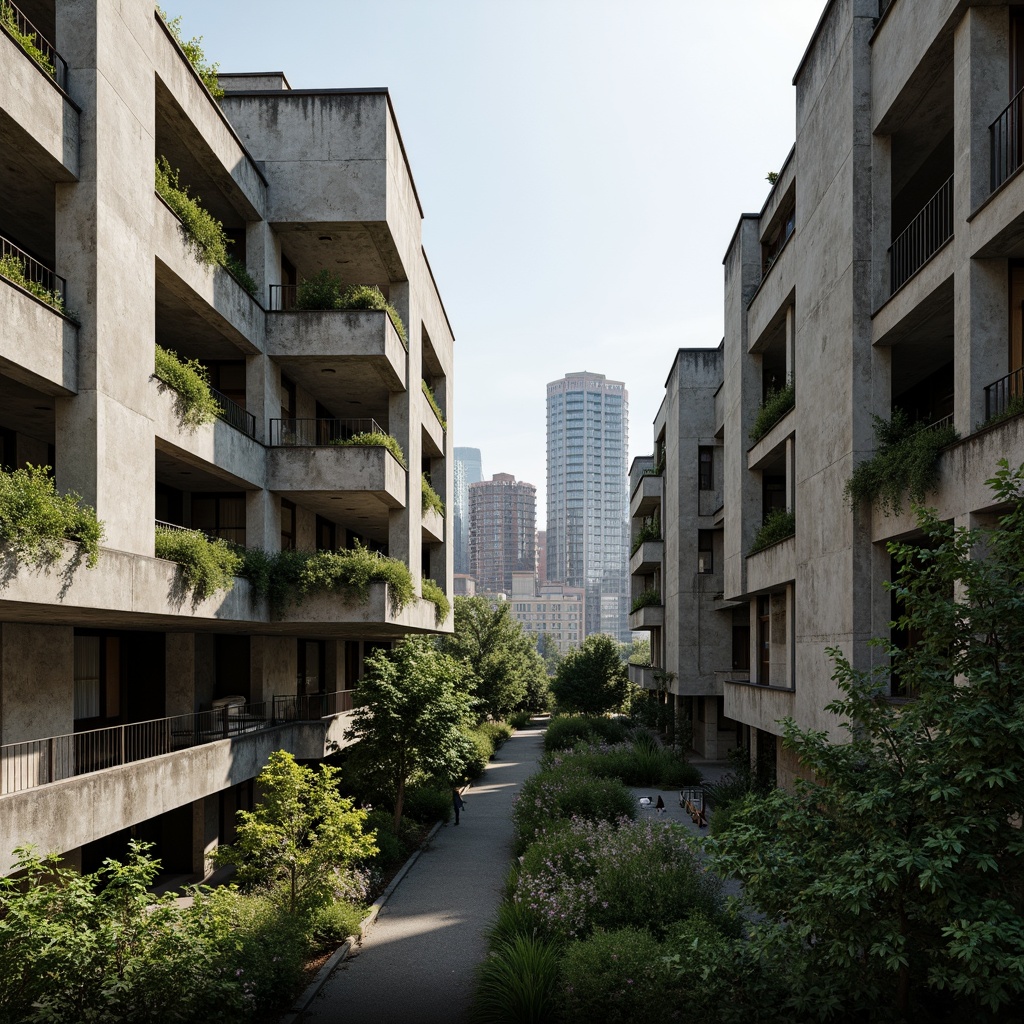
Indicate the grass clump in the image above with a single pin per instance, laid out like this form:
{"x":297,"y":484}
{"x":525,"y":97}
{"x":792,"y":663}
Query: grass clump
{"x":191,"y":380}
{"x":649,"y":598}
{"x":906,"y":461}
{"x":193,"y":50}
{"x":15,"y":270}
{"x":432,"y":401}
{"x":433,"y":593}
{"x":779,"y":524}
{"x":26,"y":40}
{"x":517,"y":983}
{"x":776,"y":404}
{"x":324,"y":291}
{"x":649,"y":530}
{"x":207,"y":566}
{"x":373,"y":439}
{"x":35,"y":520}
{"x":431,"y":499}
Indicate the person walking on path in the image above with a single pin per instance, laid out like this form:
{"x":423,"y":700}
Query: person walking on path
{"x":457,"y":804}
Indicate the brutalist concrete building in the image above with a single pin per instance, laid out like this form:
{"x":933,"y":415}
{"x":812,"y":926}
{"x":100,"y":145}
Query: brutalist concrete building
{"x":128,"y":705}
{"x":883,"y":274}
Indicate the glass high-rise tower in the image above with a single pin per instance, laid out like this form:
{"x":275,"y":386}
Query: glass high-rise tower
{"x":468,"y":470}
{"x":588,"y":497}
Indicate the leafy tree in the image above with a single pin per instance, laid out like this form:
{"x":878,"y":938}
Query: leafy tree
{"x":407,"y":716}
{"x":547,"y":648}
{"x":300,"y":831}
{"x":502,"y":663}
{"x":894,"y":881}
{"x":640,"y":651}
{"x":592,"y":678}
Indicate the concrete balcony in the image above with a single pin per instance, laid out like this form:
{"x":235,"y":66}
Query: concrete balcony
{"x":337,"y":469}
{"x":647,"y":496}
{"x":433,"y":432}
{"x":767,"y":449}
{"x":758,"y":706}
{"x":433,"y":527}
{"x":38,"y":346}
{"x":772,"y":566}
{"x":647,"y":558}
{"x":641,"y":675}
{"x":650,"y":617}
{"x":767,"y":309}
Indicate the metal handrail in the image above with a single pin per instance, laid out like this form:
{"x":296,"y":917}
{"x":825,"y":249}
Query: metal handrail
{"x":312,"y":433}
{"x":922,"y":237}
{"x":232,"y":534}
{"x":234,"y":415}
{"x":1001,"y":393}
{"x":1006,"y":141}
{"x":45,"y":56}
{"x":34,"y":271}
{"x":311,"y":707}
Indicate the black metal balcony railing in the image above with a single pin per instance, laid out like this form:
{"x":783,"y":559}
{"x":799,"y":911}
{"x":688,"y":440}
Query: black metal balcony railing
{"x":37,"y":762}
{"x":282,"y":297}
{"x":35,"y":277}
{"x":34,"y":43}
{"x":922,"y":238}
{"x":316,"y":432}
{"x":1006,"y":137}
{"x":1005,"y":396}
{"x":234,"y":415}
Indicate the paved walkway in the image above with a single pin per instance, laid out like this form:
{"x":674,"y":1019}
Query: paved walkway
{"x":416,"y":964}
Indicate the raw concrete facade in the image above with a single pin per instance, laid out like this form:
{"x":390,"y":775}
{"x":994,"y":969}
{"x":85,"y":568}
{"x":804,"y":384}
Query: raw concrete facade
{"x":302,"y":180}
{"x":882,"y":273}
{"x":677,"y":516}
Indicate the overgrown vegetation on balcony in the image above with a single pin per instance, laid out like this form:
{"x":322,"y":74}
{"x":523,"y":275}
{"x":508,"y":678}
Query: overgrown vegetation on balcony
{"x":658,"y":469}
{"x":1014,"y":407}
{"x":26,"y":40}
{"x":433,"y":404}
{"x":777,"y":403}
{"x":324,"y":291}
{"x":649,"y":530}
{"x":191,"y":382}
{"x":431,"y":499}
{"x":906,"y":462}
{"x":373,"y":438}
{"x":35,"y":520}
{"x":649,"y":598}
{"x":193,"y":50}
{"x":205,"y":233}
{"x":208,"y":565}
{"x":15,"y":270}
{"x":778,"y":525}
{"x":433,"y":593}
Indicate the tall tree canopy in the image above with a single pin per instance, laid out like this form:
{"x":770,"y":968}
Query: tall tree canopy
{"x":592,"y":677}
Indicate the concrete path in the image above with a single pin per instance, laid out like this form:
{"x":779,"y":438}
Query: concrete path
{"x":416,"y":964}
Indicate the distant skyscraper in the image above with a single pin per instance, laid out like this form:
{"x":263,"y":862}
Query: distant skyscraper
{"x":588,"y":500}
{"x":542,"y":557}
{"x":502,"y":531}
{"x":467,"y":471}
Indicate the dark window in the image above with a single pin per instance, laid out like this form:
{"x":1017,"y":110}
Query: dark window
{"x":326,"y":534}
{"x":311,"y":662}
{"x":764,"y":640}
{"x":773,"y":494}
{"x":705,"y":551}
{"x":289,"y":400}
{"x":706,"y":473}
{"x":287,"y":525}
{"x":220,"y":515}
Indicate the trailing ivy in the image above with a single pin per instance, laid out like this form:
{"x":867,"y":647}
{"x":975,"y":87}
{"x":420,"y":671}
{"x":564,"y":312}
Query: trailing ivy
{"x":323,"y":291}
{"x":15,"y":270}
{"x":190,"y":379}
{"x":237,"y":269}
{"x":193,"y":49}
{"x":433,"y":404}
{"x":777,"y":403}
{"x":373,"y":438}
{"x":35,"y":520}
{"x":778,"y":525}
{"x":26,"y":40}
{"x":207,"y":565}
{"x":433,"y":593}
{"x":431,"y":499}
{"x":906,"y":461}
{"x":649,"y":530}
{"x":647,"y":599}
{"x":205,"y":233}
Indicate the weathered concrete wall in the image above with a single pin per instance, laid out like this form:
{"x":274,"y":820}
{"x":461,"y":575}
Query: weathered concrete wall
{"x":50,"y":363}
{"x":36,"y":682}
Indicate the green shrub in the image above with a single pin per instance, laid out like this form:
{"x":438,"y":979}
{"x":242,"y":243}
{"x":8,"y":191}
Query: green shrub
{"x":436,"y":596}
{"x":238,"y":270}
{"x":390,"y":849}
{"x":906,"y":461}
{"x":633,"y":763}
{"x":519,"y":719}
{"x":374,"y":439}
{"x":432,"y":400}
{"x":497,"y":732}
{"x":193,"y":51}
{"x":26,"y":40}
{"x":331,"y":925}
{"x":367,"y":296}
{"x":204,"y":232}
{"x":191,"y":380}
{"x":478,"y":751}
{"x":206,"y":566}
{"x":517,"y":983}
{"x":427,"y":804}
{"x":617,"y":977}
{"x":649,"y":530}
{"x":778,"y":525}
{"x":431,"y":499}
{"x":649,"y":598}
{"x":323,"y":291}
{"x":777,"y":403}
{"x":16,"y":269}
{"x":565,"y":731}
{"x":35,"y":520}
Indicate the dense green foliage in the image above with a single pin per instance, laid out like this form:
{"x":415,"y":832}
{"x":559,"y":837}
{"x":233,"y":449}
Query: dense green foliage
{"x":639,"y":761}
{"x":35,"y":520}
{"x":374,"y":439}
{"x":432,"y":400}
{"x":591,"y":678}
{"x":204,"y":232}
{"x":301,"y":831}
{"x":650,"y":529}
{"x":325,"y":292}
{"x":433,"y":593}
{"x":193,"y":50}
{"x":15,"y":269}
{"x":504,"y":669}
{"x":26,"y":40}
{"x":207,"y":566}
{"x":649,"y":598}
{"x":565,"y":731}
{"x":776,"y":404}
{"x":431,"y":499}
{"x":238,"y":270}
{"x":906,"y":462}
{"x":191,"y":380}
{"x":640,"y":652}
{"x":778,"y":525}
{"x":408,"y":712}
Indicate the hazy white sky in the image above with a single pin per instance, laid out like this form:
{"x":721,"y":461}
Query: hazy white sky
{"x":581,"y":163}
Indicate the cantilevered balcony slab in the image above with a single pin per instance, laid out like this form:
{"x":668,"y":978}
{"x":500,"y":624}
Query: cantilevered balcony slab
{"x":38,"y":346}
{"x":301,"y":473}
{"x":641,"y":675}
{"x":767,"y":449}
{"x":650,"y":617}
{"x":647,"y":496}
{"x":433,"y":527}
{"x":647,"y":558}
{"x":760,"y":707}
{"x":433,"y":432}
{"x":772,"y":566}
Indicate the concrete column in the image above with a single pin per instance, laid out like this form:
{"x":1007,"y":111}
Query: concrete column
{"x":791,"y":473}
{"x":205,"y":667}
{"x":790,"y":342}
{"x":37,"y":673}
{"x":881,"y":217}
{"x":670,"y":720}
{"x":980,"y":344}
{"x":263,"y":258}
{"x":273,"y":667}
{"x":104,"y":435}
{"x":205,"y":826}
{"x":180,"y":659}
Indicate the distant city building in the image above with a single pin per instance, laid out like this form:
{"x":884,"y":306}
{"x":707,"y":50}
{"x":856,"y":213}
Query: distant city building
{"x":552,"y":609}
{"x":502,"y":531}
{"x":542,"y":557}
{"x":463,"y":585}
{"x":468,"y":470}
{"x":587,"y":513}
